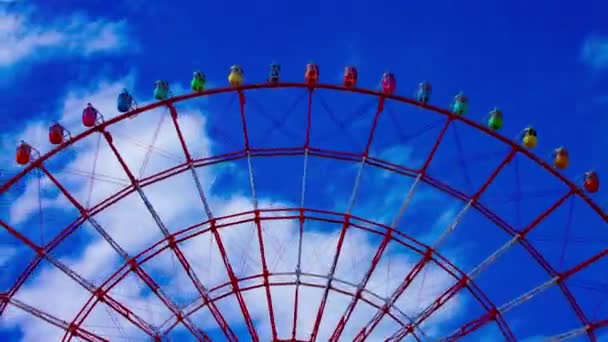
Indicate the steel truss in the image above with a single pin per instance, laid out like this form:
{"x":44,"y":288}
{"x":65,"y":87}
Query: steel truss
{"x":212,"y":225}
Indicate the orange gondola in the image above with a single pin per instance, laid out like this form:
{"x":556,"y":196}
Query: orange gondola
{"x":561,"y":158}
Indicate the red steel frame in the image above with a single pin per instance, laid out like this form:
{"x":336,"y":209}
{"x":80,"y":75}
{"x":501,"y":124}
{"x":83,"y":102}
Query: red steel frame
{"x":212,"y":225}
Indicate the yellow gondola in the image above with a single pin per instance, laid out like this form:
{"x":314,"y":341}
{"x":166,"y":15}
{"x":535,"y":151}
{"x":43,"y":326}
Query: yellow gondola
{"x":235,"y":78}
{"x":530,"y":137}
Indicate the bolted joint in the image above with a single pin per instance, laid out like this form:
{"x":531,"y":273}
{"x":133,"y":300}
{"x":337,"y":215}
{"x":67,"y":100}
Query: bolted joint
{"x":171,"y":240}
{"x":83,"y":211}
{"x":37,"y":163}
{"x":301,"y":218}
{"x":359,"y":293}
{"x":389,"y":233}
{"x":100,"y":293}
{"x":133,"y":264}
{"x":41,"y":252}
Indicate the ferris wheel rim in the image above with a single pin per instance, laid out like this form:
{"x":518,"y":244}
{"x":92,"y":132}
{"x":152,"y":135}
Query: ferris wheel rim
{"x":311,"y":87}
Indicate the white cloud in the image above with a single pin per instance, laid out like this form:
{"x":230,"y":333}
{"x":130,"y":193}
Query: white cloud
{"x":595,"y":51}
{"x":6,"y":254}
{"x":178,"y":206}
{"x":78,"y":34}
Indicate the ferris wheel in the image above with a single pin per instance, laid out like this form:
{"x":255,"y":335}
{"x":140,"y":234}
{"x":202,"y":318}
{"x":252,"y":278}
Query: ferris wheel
{"x":387,"y":220}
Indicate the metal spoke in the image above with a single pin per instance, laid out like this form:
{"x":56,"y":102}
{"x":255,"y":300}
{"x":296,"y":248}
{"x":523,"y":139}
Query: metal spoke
{"x":203,"y":291}
{"x":174,"y":308}
{"x":75,"y":276}
{"x":346,"y":223}
{"x":59,"y":323}
{"x":437,"y":303}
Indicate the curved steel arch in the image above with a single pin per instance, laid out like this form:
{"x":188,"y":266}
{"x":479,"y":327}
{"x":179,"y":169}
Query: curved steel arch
{"x":379,"y":94}
{"x":197,"y":305}
{"x":574,"y":190}
{"x":207,"y":226}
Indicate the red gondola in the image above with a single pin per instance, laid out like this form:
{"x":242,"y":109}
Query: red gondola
{"x":312,"y":73}
{"x":89,"y":116}
{"x":56,"y":134}
{"x":591,"y":182}
{"x":350,"y":76}
{"x":24,"y":153}
{"x":388,"y":83}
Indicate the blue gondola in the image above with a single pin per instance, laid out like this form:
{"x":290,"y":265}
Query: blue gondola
{"x":124,"y":102}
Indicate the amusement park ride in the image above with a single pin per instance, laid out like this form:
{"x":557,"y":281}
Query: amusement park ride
{"x":125,"y":103}
{"x":28,"y":157}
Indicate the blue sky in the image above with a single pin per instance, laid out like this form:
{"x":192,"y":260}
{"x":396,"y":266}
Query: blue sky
{"x":543,"y":64}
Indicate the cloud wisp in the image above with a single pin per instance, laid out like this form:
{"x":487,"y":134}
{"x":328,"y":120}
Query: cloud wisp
{"x":595,"y":52}
{"x":75,"y":35}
